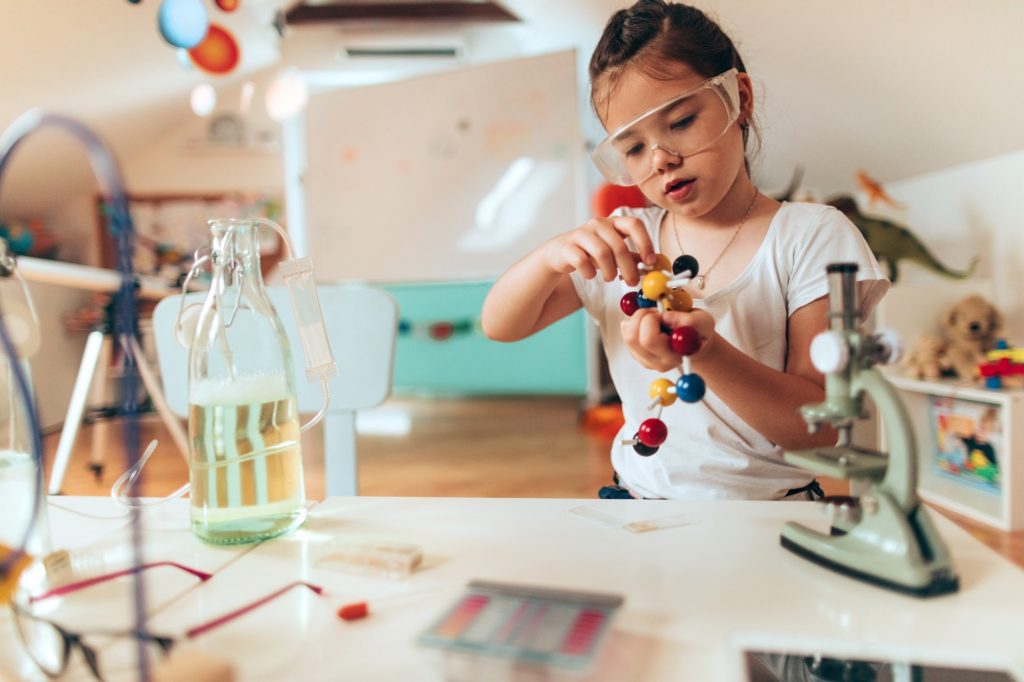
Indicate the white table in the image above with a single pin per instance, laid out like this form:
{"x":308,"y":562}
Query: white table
{"x":695,"y":595}
{"x":105,"y":532}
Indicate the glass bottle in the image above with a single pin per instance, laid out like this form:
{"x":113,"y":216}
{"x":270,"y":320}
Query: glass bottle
{"x":245,"y":463}
{"x":19,"y":469}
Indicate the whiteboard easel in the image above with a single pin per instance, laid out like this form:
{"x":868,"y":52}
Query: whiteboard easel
{"x":448,"y":176}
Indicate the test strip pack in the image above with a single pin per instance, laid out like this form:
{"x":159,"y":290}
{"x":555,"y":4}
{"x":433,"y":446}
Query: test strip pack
{"x":560,"y":628}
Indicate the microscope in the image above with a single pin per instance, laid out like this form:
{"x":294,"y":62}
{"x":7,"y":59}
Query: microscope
{"x":885,"y":536}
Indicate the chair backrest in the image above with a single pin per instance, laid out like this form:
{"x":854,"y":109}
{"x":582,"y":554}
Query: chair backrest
{"x":361,"y":324}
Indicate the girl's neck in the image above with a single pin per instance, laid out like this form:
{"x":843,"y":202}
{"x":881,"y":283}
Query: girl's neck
{"x":728,"y":212}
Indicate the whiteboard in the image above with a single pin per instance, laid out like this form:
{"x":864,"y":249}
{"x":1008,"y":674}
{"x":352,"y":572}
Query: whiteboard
{"x":449,"y":176}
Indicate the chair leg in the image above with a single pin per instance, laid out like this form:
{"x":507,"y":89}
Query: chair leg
{"x":341,"y":471}
{"x":156,"y":393}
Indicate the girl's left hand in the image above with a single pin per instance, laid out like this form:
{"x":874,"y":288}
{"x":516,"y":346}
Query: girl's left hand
{"x":643,"y":335}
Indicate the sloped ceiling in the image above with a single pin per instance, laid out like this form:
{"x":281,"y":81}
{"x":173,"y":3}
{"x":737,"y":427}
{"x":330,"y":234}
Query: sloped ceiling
{"x":897,"y":88}
{"x":102,"y":61}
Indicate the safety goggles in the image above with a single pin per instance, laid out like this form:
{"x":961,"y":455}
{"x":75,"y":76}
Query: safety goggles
{"x":683,"y":126}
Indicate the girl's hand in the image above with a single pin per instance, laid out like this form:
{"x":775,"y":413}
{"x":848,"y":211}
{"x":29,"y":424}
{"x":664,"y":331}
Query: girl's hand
{"x":600,"y":244}
{"x":647,"y":342}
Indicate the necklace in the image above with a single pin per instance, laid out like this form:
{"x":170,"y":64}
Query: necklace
{"x":702,"y":277}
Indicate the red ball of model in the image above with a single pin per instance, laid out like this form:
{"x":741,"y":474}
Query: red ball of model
{"x":685,"y":340}
{"x":652,"y":432}
{"x":629,"y":303}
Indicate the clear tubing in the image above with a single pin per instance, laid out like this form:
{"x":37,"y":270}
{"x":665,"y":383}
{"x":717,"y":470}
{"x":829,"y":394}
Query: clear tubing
{"x":128,"y":478}
{"x":298,"y":277}
{"x":323,"y":409}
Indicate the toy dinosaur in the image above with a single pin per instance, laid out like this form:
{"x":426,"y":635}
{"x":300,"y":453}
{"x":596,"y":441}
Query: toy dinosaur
{"x":875,"y":191}
{"x":892,"y":243}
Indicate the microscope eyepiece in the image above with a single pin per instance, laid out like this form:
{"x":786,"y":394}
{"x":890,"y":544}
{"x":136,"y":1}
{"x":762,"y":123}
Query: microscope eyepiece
{"x":841,"y":267}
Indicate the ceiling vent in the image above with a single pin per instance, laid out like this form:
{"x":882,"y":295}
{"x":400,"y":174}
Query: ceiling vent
{"x":420,"y":46}
{"x":401,"y":52}
{"x":348,"y":13}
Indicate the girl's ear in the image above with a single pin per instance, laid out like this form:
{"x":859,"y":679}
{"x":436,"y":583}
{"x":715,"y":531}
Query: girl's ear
{"x":746,"y":90}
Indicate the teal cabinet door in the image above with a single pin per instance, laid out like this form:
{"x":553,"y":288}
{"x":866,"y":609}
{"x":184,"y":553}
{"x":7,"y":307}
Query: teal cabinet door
{"x":441,"y":348}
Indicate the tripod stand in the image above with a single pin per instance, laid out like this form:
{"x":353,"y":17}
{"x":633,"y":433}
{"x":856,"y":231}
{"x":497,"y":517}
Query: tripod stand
{"x":92,"y":374}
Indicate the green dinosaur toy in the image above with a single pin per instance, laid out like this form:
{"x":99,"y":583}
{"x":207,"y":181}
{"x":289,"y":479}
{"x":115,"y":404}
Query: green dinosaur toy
{"x":892,"y":243}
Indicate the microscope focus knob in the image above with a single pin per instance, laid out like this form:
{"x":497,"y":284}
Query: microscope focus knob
{"x":830,"y":352}
{"x":890,"y":345}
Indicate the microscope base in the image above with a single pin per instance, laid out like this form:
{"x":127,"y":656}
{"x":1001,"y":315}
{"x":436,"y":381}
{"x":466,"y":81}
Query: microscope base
{"x":937,"y":586}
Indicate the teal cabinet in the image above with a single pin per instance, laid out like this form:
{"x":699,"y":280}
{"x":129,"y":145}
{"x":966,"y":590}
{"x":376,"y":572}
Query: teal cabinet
{"x":468,"y":363}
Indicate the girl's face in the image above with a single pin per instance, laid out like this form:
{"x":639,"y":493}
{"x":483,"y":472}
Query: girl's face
{"x":692,"y":185}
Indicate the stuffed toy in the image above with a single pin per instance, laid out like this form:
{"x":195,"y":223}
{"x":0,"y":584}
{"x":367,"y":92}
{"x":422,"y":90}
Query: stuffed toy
{"x":970,"y":328}
{"x":925,"y":359}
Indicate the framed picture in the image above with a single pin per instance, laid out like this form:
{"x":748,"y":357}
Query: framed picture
{"x":169,"y":228}
{"x":968,"y":441}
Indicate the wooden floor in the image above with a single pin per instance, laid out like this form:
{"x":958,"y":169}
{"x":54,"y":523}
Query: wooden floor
{"x":480,"y":447}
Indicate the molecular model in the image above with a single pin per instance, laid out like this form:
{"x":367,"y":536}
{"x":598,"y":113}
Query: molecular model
{"x":662,"y":287}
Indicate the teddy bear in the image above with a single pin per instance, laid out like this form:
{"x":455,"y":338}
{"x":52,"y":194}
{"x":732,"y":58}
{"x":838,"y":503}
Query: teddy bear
{"x":926,"y":359}
{"x":970,"y":328}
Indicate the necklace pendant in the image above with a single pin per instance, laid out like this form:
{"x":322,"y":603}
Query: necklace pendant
{"x":699,"y":281}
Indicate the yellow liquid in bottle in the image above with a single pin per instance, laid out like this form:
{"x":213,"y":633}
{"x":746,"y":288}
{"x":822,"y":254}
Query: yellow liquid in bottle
{"x":245,"y":461}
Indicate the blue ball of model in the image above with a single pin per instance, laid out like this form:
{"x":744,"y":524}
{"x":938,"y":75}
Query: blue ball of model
{"x":690,"y":388}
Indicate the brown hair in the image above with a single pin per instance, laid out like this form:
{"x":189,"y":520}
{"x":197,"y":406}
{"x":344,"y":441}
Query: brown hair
{"x":654,"y":35}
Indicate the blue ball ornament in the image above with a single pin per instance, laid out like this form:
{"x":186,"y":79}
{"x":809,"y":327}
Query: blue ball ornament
{"x":690,"y":388}
{"x":183,"y":23}
{"x":644,"y":302}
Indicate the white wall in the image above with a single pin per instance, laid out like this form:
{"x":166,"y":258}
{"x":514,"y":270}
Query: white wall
{"x":971,"y":210}
{"x":176,"y":162}
{"x":181,"y":162}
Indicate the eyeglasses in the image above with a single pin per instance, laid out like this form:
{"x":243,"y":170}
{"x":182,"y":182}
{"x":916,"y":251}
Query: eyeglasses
{"x":50,"y":645}
{"x":89,"y":582}
{"x":681,"y":127}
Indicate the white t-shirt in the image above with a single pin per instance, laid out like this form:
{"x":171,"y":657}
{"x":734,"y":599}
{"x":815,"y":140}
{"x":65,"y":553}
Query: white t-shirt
{"x":711,"y":453}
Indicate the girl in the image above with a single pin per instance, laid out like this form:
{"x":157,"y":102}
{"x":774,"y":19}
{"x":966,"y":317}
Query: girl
{"x":673,"y":91}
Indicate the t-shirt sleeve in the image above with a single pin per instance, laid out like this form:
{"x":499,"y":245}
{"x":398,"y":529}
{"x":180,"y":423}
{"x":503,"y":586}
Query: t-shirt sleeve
{"x":834,"y":239}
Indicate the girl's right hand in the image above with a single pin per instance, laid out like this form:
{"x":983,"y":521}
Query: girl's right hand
{"x":600,"y":244}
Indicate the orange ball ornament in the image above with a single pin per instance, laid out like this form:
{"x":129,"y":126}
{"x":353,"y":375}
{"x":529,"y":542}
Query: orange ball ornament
{"x":218,"y":53}
{"x":228,"y":5}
